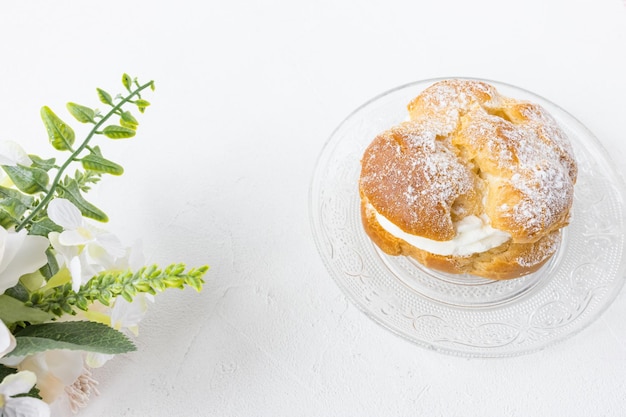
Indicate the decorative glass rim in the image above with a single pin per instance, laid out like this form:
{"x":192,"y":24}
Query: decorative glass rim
{"x":464,"y":315}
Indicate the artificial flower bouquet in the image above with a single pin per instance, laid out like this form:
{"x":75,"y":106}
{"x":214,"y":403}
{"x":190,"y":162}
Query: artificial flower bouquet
{"x":70,"y":293}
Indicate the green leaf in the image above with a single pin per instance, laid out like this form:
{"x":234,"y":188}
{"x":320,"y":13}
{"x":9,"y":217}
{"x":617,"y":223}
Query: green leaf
{"x":19,"y":292}
{"x":118,"y":132}
{"x":13,"y":311}
{"x":52,"y":266}
{"x":45,"y":164}
{"x":6,"y":371}
{"x":11,"y":193}
{"x":28,"y":179}
{"x":74,"y":335}
{"x":104,"y":97}
{"x":71,"y":191}
{"x":33,"y":281}
{"x":61,"y":136}
{"x":97,"y":163}
{"x":13,"y":205}
{"x":84,"y":179}
{"x":81,"y":113}
{"x":142,"y":104}
{"x":127,"y":81}
{"x":7,"y":220}
{"x":61,"y":277}
{"x":11,"y":211}
{"x":128,"y":120}
{"x":43,"y":227}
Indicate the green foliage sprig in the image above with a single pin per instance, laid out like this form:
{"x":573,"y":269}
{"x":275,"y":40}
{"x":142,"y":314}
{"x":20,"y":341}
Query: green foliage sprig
{"x":110,"y":284}
{"x":27,"y":209}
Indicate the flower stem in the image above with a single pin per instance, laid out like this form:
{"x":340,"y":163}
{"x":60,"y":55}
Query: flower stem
{"x":57,"y":179}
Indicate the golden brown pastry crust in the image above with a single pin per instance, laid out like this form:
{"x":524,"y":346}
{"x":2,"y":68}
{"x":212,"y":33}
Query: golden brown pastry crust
{"x":467,"y":150}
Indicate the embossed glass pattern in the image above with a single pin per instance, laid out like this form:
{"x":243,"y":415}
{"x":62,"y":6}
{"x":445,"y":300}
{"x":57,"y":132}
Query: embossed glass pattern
{"x":466,"y":315}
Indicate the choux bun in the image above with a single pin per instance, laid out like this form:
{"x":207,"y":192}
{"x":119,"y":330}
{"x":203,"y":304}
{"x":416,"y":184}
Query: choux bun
{"x":473,"y":182}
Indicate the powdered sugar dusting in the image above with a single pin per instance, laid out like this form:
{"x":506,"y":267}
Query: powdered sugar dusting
{"x":534,"y":188}
{"x":414,"y":178}
{"x":547,"y":247}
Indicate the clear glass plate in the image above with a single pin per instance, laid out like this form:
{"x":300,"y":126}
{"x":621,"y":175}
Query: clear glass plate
{"x":467,"y":315}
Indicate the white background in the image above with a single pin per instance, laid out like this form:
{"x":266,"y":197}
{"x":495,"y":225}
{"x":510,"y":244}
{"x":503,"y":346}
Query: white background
{"x":247,"y":94}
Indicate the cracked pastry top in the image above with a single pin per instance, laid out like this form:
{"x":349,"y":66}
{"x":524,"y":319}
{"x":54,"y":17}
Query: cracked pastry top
{"x":473,"y":182}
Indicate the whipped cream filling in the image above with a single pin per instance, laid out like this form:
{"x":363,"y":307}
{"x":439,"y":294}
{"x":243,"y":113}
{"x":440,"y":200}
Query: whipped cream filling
{"x":474,"y":234}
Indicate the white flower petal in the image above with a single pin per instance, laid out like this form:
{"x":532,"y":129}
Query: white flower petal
{"x":18,"y":383}
{"x":9,"y":245}
{"x":4,"y":160}
{"x":23,"y":254}
{"x":76,"y":270}
{"x":26,"y":407}
{"x":7,"y":341}
{"x":128,"y":315}
{"x":96,"y":255}
{"x":67,"y":252}
{"x":55,"y":370}
{"x":11,"y":361}
{"x":12,"y":154}
{"x":111,"y":244}
{"x":81,"y":270}
{"x":65,"y":214}
{"x":4,"y":234}
{"x":66,"y":365}
{"x":73,"y":237}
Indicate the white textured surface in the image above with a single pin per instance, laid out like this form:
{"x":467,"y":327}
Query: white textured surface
{"x":247,"y":93}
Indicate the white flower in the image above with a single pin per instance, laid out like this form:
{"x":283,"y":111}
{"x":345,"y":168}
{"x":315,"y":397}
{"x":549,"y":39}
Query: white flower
{"x":55,"y":370}
{"x":62,"y":378}
{"x":11,"y":406}
{"x":85,"y":249}
{"x":20,"y":254}
{"x":7,"y":341}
